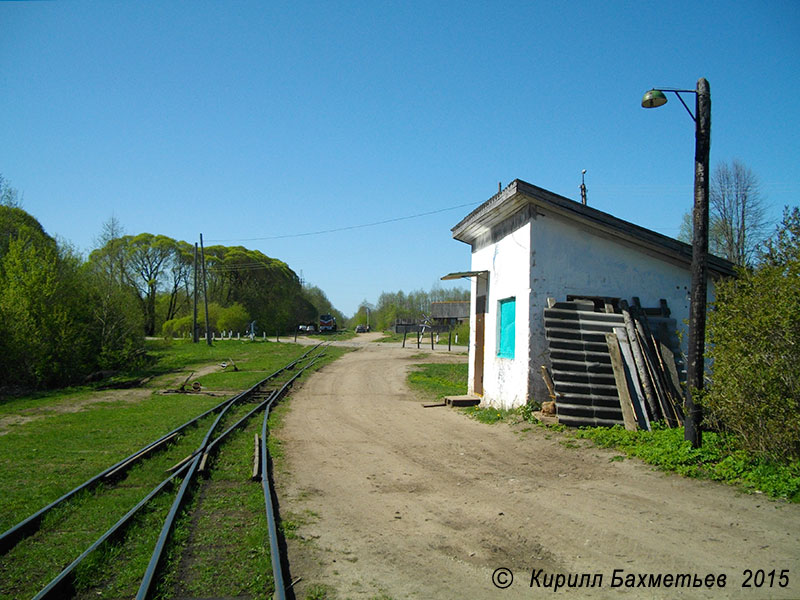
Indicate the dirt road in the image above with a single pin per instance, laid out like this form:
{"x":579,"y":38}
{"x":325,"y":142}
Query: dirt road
{"x":390,"y":499}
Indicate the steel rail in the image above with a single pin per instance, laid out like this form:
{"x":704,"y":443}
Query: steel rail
{"x":272,"y":529}
{"x":274,"y":395}
{"x":26,"y":527}
{"x":54,"y":587}
{"x":249,"y":414}
{"x":149,"y":573}
{"x":54,"y":584}
{"x":155,"y":559}
{"x":279,"y":584}
{"x":224,"y":434}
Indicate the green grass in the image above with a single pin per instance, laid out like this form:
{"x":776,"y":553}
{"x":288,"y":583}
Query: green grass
{"x":255,"y":360}
{"x":717,"y":459}
{"x":436,"y":381}
{"x":47,"y":457}
{"x":57,"y":450}
{"x":490,"y":415}
{"x":68,"y":530}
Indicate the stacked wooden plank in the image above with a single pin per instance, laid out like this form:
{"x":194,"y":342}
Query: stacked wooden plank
{"x":613,"y":366}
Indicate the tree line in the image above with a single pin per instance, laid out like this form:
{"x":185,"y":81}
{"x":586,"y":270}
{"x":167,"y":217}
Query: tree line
{"x":243,"y":286}
{"x":63,"y":317}
{"x":412,"y":306}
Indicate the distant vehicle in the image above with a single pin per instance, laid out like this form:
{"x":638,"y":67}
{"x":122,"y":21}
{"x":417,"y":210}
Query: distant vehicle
{"x":327,"y":323}
{"x":361,"y":329}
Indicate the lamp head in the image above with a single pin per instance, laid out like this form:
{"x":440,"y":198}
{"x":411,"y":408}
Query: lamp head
{"x":654,"y":99}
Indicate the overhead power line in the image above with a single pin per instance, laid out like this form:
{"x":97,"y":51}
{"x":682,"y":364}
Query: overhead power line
{"x":347,"y":228}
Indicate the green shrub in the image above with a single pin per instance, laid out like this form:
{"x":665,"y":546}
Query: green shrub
{"x":233,"y":318}
{"x":754,"y":351}
{"x":462,"y":331}
{"x":180,"y":327}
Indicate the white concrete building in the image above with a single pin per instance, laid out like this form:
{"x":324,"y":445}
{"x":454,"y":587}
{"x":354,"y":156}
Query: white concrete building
{"x":529,"y":244}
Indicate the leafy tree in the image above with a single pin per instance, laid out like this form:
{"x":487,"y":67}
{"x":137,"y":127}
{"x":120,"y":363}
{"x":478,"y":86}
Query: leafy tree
{"x":364,"y":315}
{"x":319,"y":304}
{"x":266,"y":287}
{"x":754,"y":335}
{"x":15,"y":221}
{"x":117,"y":323}
{"x":9,"y":196}
{"x":58,"y":322}
{"x":147,"y":258}
{"x":233,"y":318}
{"x":44,"y":314}
{"x":412,"y":306}
{"x":180,"y":278}
{"x":159,"y":271}
{"x":179,"y":327}
{"x":784,"y":248}
{"x":149,"y":265}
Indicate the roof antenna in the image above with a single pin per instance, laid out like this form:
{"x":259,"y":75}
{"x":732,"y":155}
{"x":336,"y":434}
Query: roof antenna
{"x":583,"y":187}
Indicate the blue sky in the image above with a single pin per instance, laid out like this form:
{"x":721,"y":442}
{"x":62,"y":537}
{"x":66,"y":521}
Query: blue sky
{"x":253,"y":122}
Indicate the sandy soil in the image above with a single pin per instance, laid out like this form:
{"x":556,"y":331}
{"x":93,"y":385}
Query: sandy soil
{"x":398,"y":500}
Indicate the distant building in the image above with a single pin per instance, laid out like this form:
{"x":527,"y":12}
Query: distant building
{"x":528,"y":245}
{"x":450,"y":313}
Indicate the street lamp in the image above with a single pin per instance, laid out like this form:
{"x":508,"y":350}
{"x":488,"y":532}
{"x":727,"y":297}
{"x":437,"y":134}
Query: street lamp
{"x":697,"y":304}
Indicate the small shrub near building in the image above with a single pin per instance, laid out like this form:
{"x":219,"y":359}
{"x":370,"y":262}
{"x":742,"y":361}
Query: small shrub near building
{"x":754,"y":351}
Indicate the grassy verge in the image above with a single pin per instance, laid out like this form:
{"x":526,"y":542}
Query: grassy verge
{"x":664,"y":448}
{"x":717,"y":459}
{"x":60,"y":440}
{"x":439,"y":380}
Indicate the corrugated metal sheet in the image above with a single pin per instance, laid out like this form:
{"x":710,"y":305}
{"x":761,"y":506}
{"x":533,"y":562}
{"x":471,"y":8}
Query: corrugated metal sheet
{"x":586,"y":393}
{"x":583,"y":378}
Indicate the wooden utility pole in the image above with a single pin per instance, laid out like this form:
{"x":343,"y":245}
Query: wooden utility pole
{"x":195,"y":335}
{"x":205,"y":289}
{"x":697,"y":305}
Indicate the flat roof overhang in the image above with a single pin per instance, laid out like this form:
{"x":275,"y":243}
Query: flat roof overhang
{"x":464,"y":275}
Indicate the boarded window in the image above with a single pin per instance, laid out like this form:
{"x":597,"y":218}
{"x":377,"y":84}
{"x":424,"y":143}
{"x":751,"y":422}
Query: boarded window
{"x":506,"y":313}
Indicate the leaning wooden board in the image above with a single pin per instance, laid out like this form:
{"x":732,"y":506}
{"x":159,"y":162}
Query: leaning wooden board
{"x":625,"y":400}
{"x":637,"y":397}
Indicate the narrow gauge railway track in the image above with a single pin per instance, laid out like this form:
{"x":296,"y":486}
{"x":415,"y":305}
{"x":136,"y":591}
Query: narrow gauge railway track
{"x":231,"y":414}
